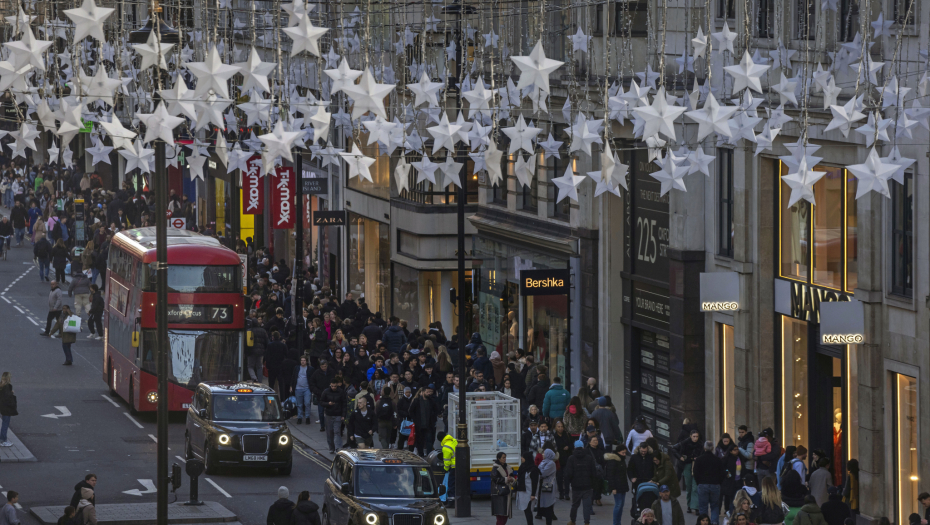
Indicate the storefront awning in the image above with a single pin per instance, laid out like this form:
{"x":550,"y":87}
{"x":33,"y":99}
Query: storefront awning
{"x":509,"y":231}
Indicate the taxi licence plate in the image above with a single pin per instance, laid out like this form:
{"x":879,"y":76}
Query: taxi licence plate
{"x":254,"y":457}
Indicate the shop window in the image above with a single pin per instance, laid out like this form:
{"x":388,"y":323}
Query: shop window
{"x":554,"y":168}
{"x":529,"y":195}
{"x":546,"y":332}
{"x":380,"y":185}
{"x":902,"y":236}
{"x":906,"y":460}
{"x":726,"y":9}
{"x":765,"y":18}
{"x":369,"y":261}
{"x":725,"y":202}
{"x":794,"y":381}
{"x":406,"y":296}
{"x":727,"y":383}
{"x":806,"y":12}
{"x":818,"y":243}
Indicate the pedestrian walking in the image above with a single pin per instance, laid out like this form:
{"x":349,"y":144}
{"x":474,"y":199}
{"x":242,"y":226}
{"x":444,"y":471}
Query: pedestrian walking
{"x":275,"y":355}
{"x":306,"y":512}
{"x":688,"y":451}
{"x":502,"y":481}
{"x":527,"y":485}
{"x":7,"y":407}
{"x":639,"y":433}
{"x":665,"y":473}
{"x":385,"y":413}
{"x":556,"y":400}
{"x":617,"y":484}
{"x":20,"y":218}
{"x":60,"y":260}
{"x":281,"y":510}
{"x":667,"y":506}
{"x":547,"y":486}
{"x":362,"y":424}
{"x":851,"y":491}
{"x":769,"y":511}
{"x":8,"y":514}
{"x":301,"y":384}
{"x":448,"y":446}
{"x":581,"y":476}
{"x":54,"y":307}
{"x":95,"y":316}
{"x":732,"y":476}
{"x":641,"y":467}
{"x":86,"y":513}
{"x":66,"y":518}
{"x":563,"y":448}
{"x":708,"y":474}
{"x":80,"y":290}
{"x":67,"y":338}
{"x":89,"y":482}
{"x":334,"y":403}
{"x":834,"y":510}
{"x":810,"y":513}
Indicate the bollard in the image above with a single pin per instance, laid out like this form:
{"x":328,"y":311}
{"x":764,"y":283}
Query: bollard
{"x":195,"y":468}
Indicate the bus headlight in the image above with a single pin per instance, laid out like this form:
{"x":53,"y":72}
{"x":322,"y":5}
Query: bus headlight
{"x":439,"y":519}
{"x":283,"y":439}
{"x":371,"y":518}
{"x":223,"y":439}
{"x":152,"y":397}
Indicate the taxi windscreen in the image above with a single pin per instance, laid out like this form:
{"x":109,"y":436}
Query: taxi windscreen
{"x":245,"y":408}
{"x":375,"y":481}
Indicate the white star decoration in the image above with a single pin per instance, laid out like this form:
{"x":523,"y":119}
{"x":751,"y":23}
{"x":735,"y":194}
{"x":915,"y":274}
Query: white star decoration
{"x":873,"y":175}
{"x":535,"y":68}
{"x":88,"y":20}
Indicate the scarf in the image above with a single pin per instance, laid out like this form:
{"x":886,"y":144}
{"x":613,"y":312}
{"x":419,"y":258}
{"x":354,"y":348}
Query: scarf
{"x":547,"y":465}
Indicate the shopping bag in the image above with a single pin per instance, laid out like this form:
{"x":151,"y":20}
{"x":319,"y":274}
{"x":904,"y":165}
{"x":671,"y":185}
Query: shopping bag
{"x":406,"y":426}
{"x":73,"y":324}
{"x":413,"y":435}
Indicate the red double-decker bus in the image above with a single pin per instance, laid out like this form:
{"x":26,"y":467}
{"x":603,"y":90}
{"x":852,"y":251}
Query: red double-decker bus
{"x":205,"y":316}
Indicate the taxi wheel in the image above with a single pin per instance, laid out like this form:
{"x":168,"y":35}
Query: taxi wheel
{"x":208,"y":461}
{"x":286,"y":471}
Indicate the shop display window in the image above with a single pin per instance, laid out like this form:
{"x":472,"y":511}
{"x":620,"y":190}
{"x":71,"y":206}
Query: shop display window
{"x":546,"y":336}
{"x":794,"y":381}
{"x":369,"y":261}
{"x":907,"y":460}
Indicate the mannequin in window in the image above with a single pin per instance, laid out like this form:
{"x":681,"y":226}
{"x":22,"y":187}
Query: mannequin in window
{"x":838,"y":452}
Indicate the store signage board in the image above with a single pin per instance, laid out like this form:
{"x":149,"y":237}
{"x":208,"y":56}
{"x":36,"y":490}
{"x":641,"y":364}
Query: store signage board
{"x":719,"y":292}
{"x":314,"y":186}
{"x":647,"y":222}
{"x":329,"y":218}
{"x":650,"y":305}
{"x":283,"y":189}
{"x":842,"y":323}
{"x":253,"y":188}
{"x":803,"y":301}
{"x":545,"y":282}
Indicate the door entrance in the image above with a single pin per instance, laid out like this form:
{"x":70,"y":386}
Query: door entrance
{"x":828,"y":410}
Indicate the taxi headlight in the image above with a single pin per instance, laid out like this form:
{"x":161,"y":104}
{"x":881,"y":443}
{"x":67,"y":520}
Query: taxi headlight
{"x":223,"y":439}
{"x":371,"y":518}
{"x":283,"y":439}
{"x":439,"y":519}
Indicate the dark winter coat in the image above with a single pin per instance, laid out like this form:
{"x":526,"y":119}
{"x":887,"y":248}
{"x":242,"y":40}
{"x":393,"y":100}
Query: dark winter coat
{"x":337,"y":398}
{"x":394,"y":339}
{"x":609,"y":424}
{"x":835,"y":511}
{"x":423,"y":412}
{"x":537,"y":393}
{"x":793,"y":489}
{"x":500,"y":503}
{"x":580,"y":472}
{"x":616,"y":473}
{"x":259,"y":342}
{"x":8,"y":401}
{"x":280,"y":512}
{"x":76,"y":497}
{"x":361,"y":425}
{"x":708,"y":469}
{"x":641,"y":468}
{"x":768,"y":515}
{"x":96,"y":304}
{"x":306,"y":513}
{"x":275,"y":355}
{"x":666,"y":475}
{"x":678,"y":517}
{"x":42,"y":249}
{"x":810,"y":514}
{"x":60,"y":257}
{"x":320,"y":379}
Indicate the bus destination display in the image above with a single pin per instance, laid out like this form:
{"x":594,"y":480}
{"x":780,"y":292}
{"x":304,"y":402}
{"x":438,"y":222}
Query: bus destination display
{"x":200,"y":314}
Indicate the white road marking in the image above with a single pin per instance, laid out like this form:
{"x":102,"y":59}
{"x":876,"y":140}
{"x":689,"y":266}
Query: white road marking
{"x":149,"y":488}
{"x":7,"y":300}
{"x":33,"y":321}
{"x":133,"y":420}
{"x":155,"y":439}
{"x":18,"y":310}
{"x":64,"y":413}
{"x":114,"y":403}
{"x":182,"y":459}
{"x":217,"y":487}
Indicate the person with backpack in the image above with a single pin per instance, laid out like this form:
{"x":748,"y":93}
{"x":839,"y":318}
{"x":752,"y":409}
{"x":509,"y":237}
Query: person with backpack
{"x":580,"y":475}
{"x":86,"y":510}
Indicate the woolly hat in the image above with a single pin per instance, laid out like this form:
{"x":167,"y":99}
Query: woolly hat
{"x":283,"y":493}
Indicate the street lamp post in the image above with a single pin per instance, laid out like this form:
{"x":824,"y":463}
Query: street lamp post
{"x":167,"y":35}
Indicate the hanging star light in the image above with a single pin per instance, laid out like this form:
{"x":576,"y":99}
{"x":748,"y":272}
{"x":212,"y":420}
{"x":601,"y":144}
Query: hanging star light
{"x":295,"y":10}
{"x":550,"y":147}
{"x":342,"y":76}
{"x":648,"y":77}
{"x":255,"y":72}
{"x":210,"y":111}
{"x":659,"y":117}
{"x":99,"y":87}
{"x":425,"y":91}
{"x":724,"y":40}
{"x":320,"y":120}
{"x":402,"y":174}
{"x":672,"y":173}
{"x":257,"y":110}
{"x":699,"y":161}
{"x":567,"y":184}
{"x":746,"y":74}
{"x":535,"y":68}
{"x":195,"y":165}
{"x":785,"y":89}
{"x":612,"y":174}
{"x":426,"y":170}
{"x":766,"y":139}
{"x":71,"y":123}
{"x":582,"y":137}
{"x":712,"y":118}
{"x":580,"y":41}
{"x":212,"y":74}
{"x":88,"y":20}
{"x":368,"y":95}
{"x":830,"y":93}
{"x":279,"y":142}
{"x":844,"y":116}
{"x":452,"y":171}
{"x":443,"y":134}
{"x":120,"y":136}
{"x":305,"y":36}
{"x":160,"y":125}
{"x":479,"y":99}
{"x":521,"y":136}
{"x":358,"y":163}
{"x":524,"y":170}
{"x":239,"y":159}
{"x":179,"y":100}
{"x":875,"y":130}
{"x":492,"y":160}
{"x":99,"y":153}
{"x":802,"y":181}
{"x":873,"y":175}
{"x":28,"y":50}
{"x":137,"y":157}
{"x":699,"y":43}
{"x":153,"y":53}
{"x":901,"y":162}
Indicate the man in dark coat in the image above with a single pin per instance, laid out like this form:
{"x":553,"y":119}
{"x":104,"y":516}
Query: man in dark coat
{"x":537,"y":393}
{"x":580,"y":475}
{"x":280,"y":511}
{"x":275,"y":355}
{"x":348,"y":308}
{"x":641,"y":467}
{"x":394,"y":338}
{"x":319,"y":381}
{"x":90,"y":481}
{"x":334,"y":403}
{"x":709,"y":475}
{"x":373,"y":333}
{"x":424,"y":414}
{"x":834,"y":510}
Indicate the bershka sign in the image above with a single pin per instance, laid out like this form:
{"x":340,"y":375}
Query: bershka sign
{"x":253,"y":188}
{"x":545,"y":282}
{"x":284,"y":187}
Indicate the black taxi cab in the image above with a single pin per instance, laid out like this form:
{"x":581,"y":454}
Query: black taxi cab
{"x":381,"y":487}
{"x":238,"y":424}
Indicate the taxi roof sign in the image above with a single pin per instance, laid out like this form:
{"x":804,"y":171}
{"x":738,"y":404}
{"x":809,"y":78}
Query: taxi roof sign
{"x":244,"y":390}
{"x":392,"y":461}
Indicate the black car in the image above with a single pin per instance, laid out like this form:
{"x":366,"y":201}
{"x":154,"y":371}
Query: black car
{"x":382,"y":487}
{"x":238,"y":424}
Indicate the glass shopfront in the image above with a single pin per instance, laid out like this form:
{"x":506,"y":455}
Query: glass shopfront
{"x":407,"y":295}
{"x":370,"y":261}
{"x":726,"y":384}
{"x":906,"y":458}
{"x":538,"y":324}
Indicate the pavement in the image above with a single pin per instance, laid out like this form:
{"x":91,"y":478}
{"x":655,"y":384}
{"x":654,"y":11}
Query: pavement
{"x":18,"y":453}
{"x":144,"y":513}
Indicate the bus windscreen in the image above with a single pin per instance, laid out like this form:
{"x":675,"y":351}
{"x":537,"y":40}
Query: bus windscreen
{"x":196,"y":355}
{"x":199,"y":279}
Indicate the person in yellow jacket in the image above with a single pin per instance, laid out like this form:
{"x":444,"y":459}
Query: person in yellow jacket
{"x":449,"y":444}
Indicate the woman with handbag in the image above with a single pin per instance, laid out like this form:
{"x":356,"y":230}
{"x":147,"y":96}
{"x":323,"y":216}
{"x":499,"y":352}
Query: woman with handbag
{"x":501,"y":481}
{"x":7,"y":407}
{"x":67,"y":338}
{"x":547,"y":485}
{"x":527,"y":485}
{"x":597,"y":452}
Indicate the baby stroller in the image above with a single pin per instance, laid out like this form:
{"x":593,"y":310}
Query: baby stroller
{"x":647,"y":493}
